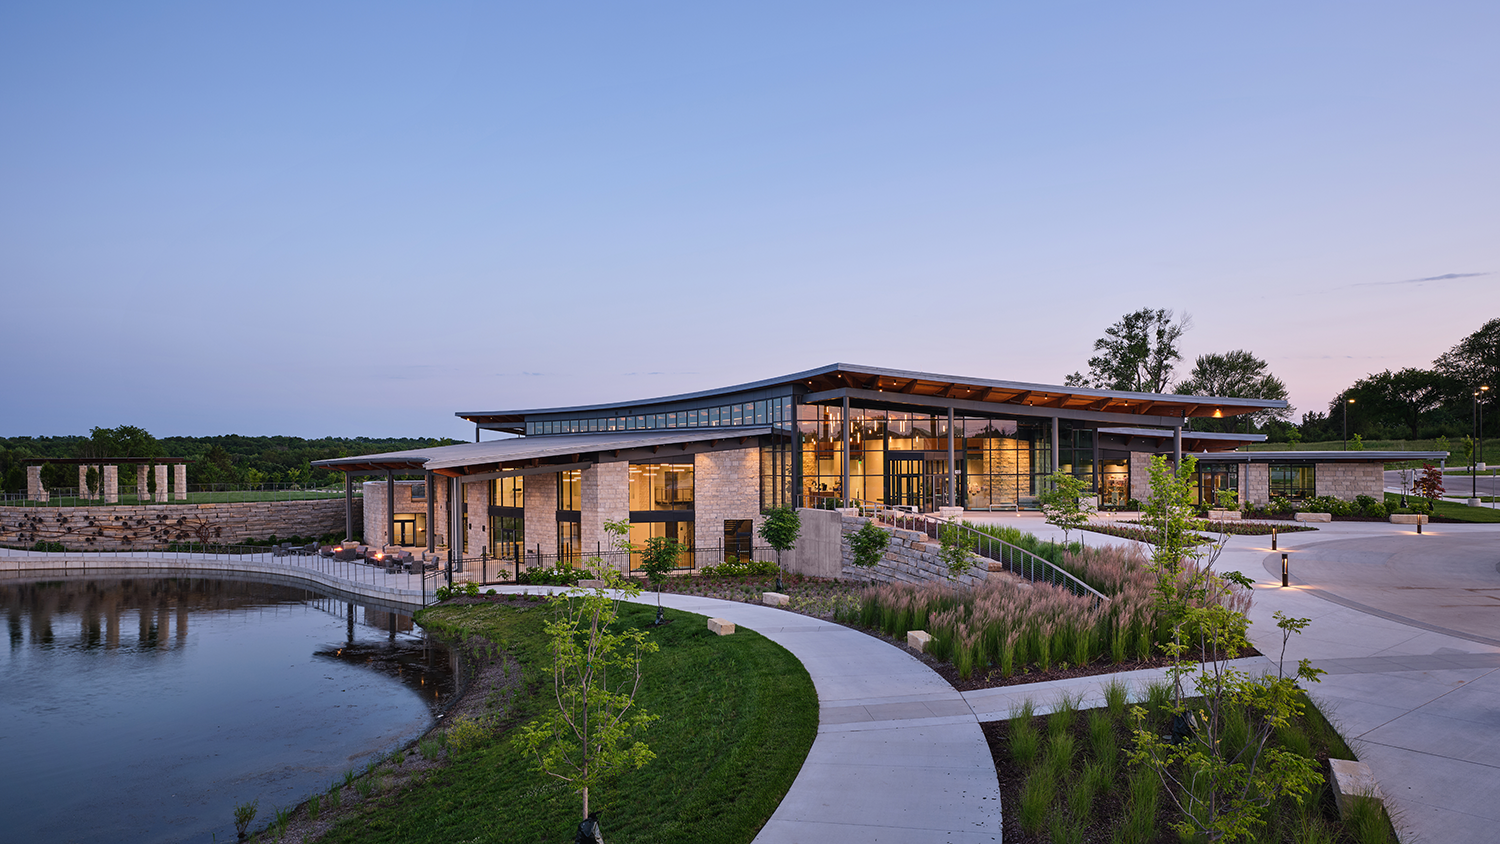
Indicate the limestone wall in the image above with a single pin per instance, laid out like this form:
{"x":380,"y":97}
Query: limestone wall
{"x":377,"y":527}
{"x":1348,"y":480}
{"x":726,"y":485}
{"x":604,"y":493}
{"x":1140,"y":476}
{"x":154,"y":526}
{"x":1255,"y":484}
{"x":541,"y":513}
{"x":911,"y":558}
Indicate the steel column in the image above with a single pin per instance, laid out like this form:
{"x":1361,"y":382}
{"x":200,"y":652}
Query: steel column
{"x":844,"y":493}
{"x":952,"y":469}
{"x":1056,"y":448}
{"x":431,"y":508}
{"x":1176,"y":447}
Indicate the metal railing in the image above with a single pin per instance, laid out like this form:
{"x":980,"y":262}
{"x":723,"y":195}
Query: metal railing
{"x":503,"y":569}
{"x":384,"y":575}
{"x":1012,"y":558}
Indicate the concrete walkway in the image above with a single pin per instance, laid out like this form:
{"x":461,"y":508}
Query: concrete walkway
{"x":899,"y":756}
{"x":1408,"y":628}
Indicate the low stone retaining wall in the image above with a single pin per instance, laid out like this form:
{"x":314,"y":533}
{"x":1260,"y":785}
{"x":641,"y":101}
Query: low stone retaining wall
{"x":153,"y":526}
{"x":910,"y":558}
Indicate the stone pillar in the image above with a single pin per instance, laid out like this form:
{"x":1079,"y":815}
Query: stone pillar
{"x":34,"y":489}
{"x":179,"y":482}
{"x":142,"y":483}
{"x":604,"y":496}
{"x":477,"y":496}
{"x":541,"y":513}
{"x":83,"y":483}
{"x":161,"y":483}
{"x":109,"y":484}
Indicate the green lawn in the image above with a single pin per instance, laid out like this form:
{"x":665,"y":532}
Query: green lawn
{"x":737,"y":716}
{"x":1461,"y":512}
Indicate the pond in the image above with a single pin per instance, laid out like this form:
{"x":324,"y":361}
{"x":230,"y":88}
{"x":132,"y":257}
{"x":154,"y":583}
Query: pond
{"x":146,"y":709}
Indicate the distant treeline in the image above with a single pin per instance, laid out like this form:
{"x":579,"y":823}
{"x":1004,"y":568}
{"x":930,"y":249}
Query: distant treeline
{"x":227,"y":459}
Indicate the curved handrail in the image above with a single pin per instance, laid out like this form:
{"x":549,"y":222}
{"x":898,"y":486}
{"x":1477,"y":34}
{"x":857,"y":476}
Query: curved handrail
{"x":1014,"y":558}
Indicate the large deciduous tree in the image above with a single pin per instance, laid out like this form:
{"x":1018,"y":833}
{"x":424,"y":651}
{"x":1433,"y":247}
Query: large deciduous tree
{"x":1238,"y":374}
{"x":1405,"y":398}
{"x":1138,"y":353}
{"x":1475,"y":360}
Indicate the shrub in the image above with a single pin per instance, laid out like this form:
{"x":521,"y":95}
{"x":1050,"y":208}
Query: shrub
{"x":1327,"y":504}
{"x":44,"y":545}
{"x":740,"y":568}
{"x":558,"y":575}
{"x":868,"y":544}
{"x":464,"y":733}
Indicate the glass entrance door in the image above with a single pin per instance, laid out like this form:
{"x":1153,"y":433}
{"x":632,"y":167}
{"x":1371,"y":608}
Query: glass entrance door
{"x":918,"y":480}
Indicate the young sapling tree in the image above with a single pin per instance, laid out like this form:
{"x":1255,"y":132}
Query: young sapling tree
{"x":596,"y":672}
{"x":1067,"y":504}
{"x":780,"y":530}
{"x":956,"y":550}
{"x":867,"y":545}
{"x":659,"y":558}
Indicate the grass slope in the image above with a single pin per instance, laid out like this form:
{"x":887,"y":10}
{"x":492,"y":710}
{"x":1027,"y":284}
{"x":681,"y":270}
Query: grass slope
{"x":738,"y":715}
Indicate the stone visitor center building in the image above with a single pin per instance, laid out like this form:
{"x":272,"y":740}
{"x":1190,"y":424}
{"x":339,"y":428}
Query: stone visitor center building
{"x":701,"y":467}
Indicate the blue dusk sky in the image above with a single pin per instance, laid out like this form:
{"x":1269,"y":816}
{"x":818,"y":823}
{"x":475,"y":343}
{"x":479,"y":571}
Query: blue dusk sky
{"x":354,"y":219}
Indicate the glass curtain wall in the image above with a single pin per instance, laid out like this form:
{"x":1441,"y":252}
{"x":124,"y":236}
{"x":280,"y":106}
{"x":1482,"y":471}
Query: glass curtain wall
{"x":569,"y":516}
{"x":661,"y":504}
{"x":508,"y":519}
{"x":901,"y":458}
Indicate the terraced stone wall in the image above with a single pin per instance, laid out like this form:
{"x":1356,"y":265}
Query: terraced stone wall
{"x":154,"y":526}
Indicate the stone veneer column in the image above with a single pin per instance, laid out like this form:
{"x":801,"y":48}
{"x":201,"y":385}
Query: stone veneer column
{"x":604,"y":495}
{"x":179,"y":482}
{"x":726,"y":485}
{"x":83,"y":483}
{"x":541,"y":513}
{"x":161,"y":482}
{"x":34,"y":489}
{"x":1255,"y":484}
{"x":1140,"y":476}
{"x":109,"y":484}
{"x":477,"y":496}
{"x":142,"y":483}
{"x":377,"y":532}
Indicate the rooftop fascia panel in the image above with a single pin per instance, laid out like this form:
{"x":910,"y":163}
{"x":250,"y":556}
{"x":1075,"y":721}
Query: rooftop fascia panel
{"x":901,"y":374}
{"x":1321,"y":456}
{"x":1197,"y":435}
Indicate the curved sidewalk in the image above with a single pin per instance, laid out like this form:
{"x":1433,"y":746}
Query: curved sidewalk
{"x":899,"y":754}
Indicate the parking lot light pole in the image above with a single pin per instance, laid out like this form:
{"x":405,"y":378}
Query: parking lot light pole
{"x":1346,"y":423}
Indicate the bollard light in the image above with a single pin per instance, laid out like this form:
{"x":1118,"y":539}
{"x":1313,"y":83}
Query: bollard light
{"x":1283,"y":570}
{"x":1273,"y":537}
{"x":1419,"y":526}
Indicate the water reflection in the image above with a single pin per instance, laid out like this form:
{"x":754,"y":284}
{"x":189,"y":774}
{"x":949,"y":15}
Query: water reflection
{"x":144,"y":709}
